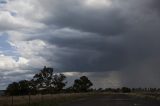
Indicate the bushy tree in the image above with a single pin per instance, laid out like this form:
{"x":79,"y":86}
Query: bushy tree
{"x":82,"y":85}
{"x":24,"y":87}
{"x":18,"y":88}
{"x":59,"y":82}
{"x":47,"y":81}
{"x":13,"y":89}
{"x":43,"y":79}
{"x":125,"y":90}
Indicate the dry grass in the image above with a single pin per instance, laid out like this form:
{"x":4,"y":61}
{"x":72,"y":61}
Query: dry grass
{"x":154,"y":96}
{"x":41,"y":100}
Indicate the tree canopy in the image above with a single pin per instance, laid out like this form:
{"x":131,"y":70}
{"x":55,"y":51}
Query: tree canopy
{"x":82,"y":85}
{"x":45,"y":80}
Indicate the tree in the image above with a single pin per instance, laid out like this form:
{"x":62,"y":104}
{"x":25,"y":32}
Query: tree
{"x":24,"y":87}
{"x":18,"y":88}
{"x":59,"y":82}
{"x":126,"y":90}
{"x":82,"y":85}
{"x":32,"y":86}
{"x":44,"y":79}
{"x":13,"y":89}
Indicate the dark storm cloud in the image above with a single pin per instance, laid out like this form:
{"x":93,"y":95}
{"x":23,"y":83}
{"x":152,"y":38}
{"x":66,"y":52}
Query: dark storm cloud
{"x":155,"y":4}
{"x":123,"y":37}
{"x":134,"y":51}
{"x":73,"y":14}
{"x":136,"y":35}
{"x":109,"y":24}
{"x":79,"y":51}
{"x":83,"y":48}
{"x":93,"y":42}
{"x":92,"y":60}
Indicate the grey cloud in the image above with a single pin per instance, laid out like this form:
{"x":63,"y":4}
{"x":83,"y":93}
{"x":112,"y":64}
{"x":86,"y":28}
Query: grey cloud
{"x":139,"y":43}
{"x":103,"y":80}
{"x":74,"y":14}
{"x":155,"y":5}
{"x":9,"y":77}
{"x":133,"y":53}
{"x":85,"y":51}
{"x":95,"y":52}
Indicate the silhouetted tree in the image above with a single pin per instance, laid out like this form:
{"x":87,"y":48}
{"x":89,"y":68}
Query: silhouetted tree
{"x":100,"y":89}
{"x":125,"y":90}
{"x":82,"y":85}
{"x":18,"y":88}
{"x":49,"y":82}
{"x":13,"y":89}
{"x":59,"y":82}
{"x":44,"y":79}
{"x":24,"y":87}
{"x":69,"y":89}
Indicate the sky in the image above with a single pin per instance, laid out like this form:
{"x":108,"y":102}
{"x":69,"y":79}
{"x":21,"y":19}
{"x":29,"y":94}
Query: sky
{"x":113,"y":42}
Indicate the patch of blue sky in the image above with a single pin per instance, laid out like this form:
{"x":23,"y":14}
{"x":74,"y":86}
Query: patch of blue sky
{"x":3,"y":2}
{"x":13,"y":13}
{"x":6,"y":48}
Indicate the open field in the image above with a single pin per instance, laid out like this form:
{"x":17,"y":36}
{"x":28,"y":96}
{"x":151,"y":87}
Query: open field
{"x":40,"y":100}
{"x":154,"y":96}
{"x":81,"y":99}
{"x":114,"y":100}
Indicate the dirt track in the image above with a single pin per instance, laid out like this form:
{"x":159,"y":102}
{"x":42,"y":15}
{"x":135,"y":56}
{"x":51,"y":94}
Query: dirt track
{"x":113,"y":100}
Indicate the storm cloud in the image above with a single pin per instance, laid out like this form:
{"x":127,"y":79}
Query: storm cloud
{"x":116,"y":38}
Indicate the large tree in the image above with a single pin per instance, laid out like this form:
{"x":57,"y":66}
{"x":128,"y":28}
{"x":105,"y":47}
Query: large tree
{"x":19,"y":88}
{"x":49,"y":81}
{"x":125,"y":90}
{"x":82,"y":85}
{"x":44,"y":78}
{"x":13,"y":89}
{"x":59,"y":82}
{"x":24,"y":87}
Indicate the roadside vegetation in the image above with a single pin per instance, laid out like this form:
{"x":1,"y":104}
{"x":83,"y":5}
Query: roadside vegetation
{"x":147,"y":95}
{"x":48,"y":82}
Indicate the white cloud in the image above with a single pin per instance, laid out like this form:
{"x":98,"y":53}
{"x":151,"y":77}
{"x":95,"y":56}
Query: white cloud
{"x":9,"y":22}
{"x":29,"y":48}
{"x":34,"y":51}
{"x":8,"y":63}
{"x":29,"y":9}
{"x":98,"y":3}
{"x":20,"y":15}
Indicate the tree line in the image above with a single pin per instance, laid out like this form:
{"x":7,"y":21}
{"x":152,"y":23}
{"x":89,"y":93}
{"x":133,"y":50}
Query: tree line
{"x":128,"y":90}
{"x":48,"y":82}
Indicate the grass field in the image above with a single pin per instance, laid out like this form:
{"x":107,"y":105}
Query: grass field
{"x":58,"y":99}
{"x":41,"y":100}
{"x":155,"y":96}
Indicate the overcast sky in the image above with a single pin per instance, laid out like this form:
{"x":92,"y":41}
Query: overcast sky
{"x":114,"y":42}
